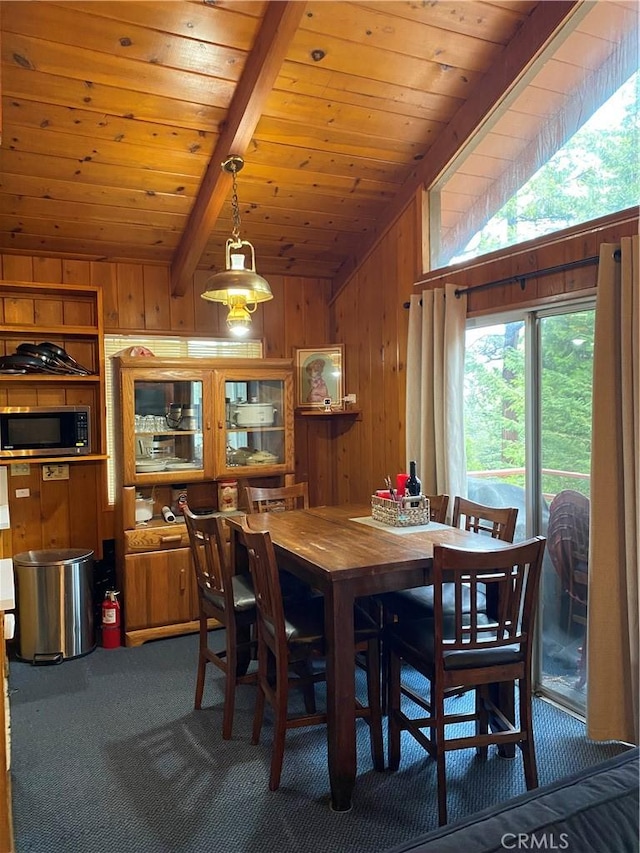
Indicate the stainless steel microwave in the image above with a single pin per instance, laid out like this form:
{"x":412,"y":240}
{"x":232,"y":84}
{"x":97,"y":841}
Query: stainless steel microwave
{"x":45,"y":431}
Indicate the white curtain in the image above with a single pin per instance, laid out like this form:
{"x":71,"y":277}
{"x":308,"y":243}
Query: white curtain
{"x":612,"y":633}
{"x":435,"y":383}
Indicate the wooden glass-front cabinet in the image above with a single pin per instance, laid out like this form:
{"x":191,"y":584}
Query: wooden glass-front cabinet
{"x":182,"y":425}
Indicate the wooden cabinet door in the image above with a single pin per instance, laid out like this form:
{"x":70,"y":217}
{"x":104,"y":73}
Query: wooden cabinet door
{"x":159,"y":589}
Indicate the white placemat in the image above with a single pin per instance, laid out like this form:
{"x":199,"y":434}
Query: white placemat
{"x":415,"y":528}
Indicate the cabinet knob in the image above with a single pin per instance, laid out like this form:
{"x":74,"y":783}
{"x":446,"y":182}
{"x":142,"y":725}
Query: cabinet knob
{"x":174,"y":538}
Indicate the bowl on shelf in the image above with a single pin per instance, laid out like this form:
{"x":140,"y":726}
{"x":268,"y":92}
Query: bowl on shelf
{"x":150,"y":466}
{"x":262,"y":457}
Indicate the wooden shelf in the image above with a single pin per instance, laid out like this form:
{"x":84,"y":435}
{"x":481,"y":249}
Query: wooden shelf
{"x":52,"y":460}
{"x":334,"y":413}
{"x":62,"y":378}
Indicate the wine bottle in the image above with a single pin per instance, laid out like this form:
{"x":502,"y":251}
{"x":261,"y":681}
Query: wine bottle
{"x":414,"y":486}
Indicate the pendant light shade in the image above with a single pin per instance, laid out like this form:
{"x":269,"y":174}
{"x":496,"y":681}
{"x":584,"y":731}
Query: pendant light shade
{"x":238,"y":286}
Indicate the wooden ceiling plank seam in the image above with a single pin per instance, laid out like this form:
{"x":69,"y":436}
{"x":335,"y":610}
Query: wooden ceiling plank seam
{"x":107,"y":100}
{"x":58,"y":216}
{"x":100,"y":177}
{"x":469,"y":16}
{"x":132,"y":77}
{"x":278,"y":27}
{"x":416,"y":40}
{"x":196,"y":22}
{"x":362,"y":91}
{"x":281,"y":155}
{"x":118,"y":40}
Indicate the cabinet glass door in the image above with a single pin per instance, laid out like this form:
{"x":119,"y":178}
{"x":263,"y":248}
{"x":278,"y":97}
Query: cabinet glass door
{"x":168,"y":427}
{"x":257,"y":429}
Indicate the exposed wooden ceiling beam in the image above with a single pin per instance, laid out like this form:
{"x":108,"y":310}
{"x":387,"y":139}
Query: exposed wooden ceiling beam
{"x":278,"y":27}
{"x":523,"y":48}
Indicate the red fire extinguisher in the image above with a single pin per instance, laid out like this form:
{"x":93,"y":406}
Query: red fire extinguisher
{"x":111,"y":620}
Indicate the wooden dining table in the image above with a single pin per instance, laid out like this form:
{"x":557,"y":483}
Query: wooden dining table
{"x":342,"y":552}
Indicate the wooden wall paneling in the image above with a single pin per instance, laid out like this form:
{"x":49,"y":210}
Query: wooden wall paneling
{"x":377,"y":339}
{"x":76,"y":272}
{"x":157,"y":316}
{"x":17,"y":268}
{"x":57,"y":504}
{"x":374,"y":299}
{"x":182,"y":312}
{"x":393,"y":417}
{"x":47,"y":269}
{"x":130,"y":291}
{"x":210,"y":317}
{"x":278,"y":343}
{"x":105,"y":276}
{"x":85,"y":524}
{"x":25,"y":513}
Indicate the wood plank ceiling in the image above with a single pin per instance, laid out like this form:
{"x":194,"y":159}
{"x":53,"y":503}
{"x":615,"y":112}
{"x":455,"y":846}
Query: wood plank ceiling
{"x":116,"y":116}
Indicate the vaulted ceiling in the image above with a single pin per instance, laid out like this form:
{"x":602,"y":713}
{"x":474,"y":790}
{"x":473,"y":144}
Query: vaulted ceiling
{"x":117,"y":115}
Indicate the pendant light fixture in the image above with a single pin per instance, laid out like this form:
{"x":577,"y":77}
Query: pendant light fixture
{"x":239,"y":286}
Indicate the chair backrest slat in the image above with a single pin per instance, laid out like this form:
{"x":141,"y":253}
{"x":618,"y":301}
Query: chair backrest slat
{"x":207,"y":541}
{"x":438,"y":506}
{"x":498,"y":522}
{"x":266,"y":579}
{"x":277,"y":499}
{"x":511,"y":575}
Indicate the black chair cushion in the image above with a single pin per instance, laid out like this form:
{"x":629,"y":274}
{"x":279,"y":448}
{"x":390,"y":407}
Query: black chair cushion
{"x":417,"y":636}
{"x":244,"y":599}
{"x":417,"y":603}
{"x":304,"y":622}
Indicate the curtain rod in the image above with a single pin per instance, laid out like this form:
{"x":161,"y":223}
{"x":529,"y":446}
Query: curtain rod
{"x":522,"y":278}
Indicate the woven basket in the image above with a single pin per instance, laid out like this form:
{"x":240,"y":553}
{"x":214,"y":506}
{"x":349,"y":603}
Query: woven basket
{"x":395,"y":514}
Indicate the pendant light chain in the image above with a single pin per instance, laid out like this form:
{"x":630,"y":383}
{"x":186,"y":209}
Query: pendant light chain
{"x":235,"y":206}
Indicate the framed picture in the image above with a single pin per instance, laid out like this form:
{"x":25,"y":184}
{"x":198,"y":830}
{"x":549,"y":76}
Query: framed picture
{"x":320,"y":377}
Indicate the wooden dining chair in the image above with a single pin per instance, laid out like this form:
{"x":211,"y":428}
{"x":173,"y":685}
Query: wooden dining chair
{"x":226,"y":597}
{"x":290,"y":633}
{"x":497,"y":522}
{"x":460,"y":650}
{"x":277,"y":499}
{"x":438,"y":506}
{"x":282,"y":499}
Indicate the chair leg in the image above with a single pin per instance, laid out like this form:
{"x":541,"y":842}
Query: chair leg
{"x":437,"y":709}
{"x":375,"y":709}
{"x":258,"y":714}
{"x":528,"y":746}
{"x":202,"y":664}
{"x":280,"y":724}
{"x":482,"y":721}
{"x":229,"y":690}
{"x":393,"y":709}
{"x":243,"y":649}
{"x":303,"y":669}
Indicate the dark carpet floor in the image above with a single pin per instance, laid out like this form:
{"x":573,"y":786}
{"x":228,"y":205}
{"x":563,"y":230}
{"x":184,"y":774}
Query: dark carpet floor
{"x":108,"y":756}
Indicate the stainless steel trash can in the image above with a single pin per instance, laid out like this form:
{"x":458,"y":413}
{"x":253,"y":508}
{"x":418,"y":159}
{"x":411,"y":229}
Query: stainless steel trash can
{"x":54,"y":604}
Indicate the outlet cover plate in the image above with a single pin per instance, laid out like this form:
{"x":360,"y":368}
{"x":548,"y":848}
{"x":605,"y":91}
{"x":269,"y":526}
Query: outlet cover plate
{"x":57,"y":471}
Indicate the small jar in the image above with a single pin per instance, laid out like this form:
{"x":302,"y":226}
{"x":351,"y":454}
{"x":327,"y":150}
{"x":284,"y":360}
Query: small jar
{"x":228,"y":495}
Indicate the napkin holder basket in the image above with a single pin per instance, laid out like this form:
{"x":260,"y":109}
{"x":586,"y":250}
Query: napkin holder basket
{"x":400,"y":513}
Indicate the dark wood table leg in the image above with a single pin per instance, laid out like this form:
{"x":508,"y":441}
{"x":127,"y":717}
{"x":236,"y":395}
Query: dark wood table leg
{"x":341,"y":723}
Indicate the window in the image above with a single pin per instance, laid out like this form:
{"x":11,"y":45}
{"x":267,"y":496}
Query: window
{"x":561,"y":150}
{"x":167,"y":348}
{"x":528,"y":396}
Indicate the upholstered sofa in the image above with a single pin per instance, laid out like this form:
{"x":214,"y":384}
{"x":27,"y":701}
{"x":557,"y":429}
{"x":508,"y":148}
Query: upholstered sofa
{"x":594,"y":811}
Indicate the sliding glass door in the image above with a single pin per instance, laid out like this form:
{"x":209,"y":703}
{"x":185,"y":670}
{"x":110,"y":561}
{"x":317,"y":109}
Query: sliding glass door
{"x":528,"y":386}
